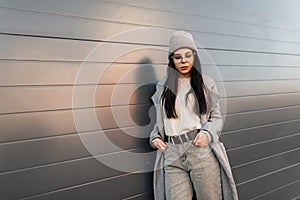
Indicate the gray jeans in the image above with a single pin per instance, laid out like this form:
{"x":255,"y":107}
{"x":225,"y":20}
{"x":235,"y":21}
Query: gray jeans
{"x":189,"y":167}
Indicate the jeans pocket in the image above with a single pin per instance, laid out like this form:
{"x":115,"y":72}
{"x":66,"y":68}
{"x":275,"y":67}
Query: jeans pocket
{"x":202,"y":151}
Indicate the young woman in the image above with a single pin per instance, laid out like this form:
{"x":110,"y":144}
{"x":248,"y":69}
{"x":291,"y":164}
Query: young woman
{"x":190,"y":159}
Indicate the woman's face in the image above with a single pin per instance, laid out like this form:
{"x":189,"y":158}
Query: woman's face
{"x":183,"y":60}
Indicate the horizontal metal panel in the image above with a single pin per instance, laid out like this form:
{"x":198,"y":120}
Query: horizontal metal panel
{"x":21,"y":99}
{"x":71,"y":27}
{"x":247,"y":58}
{"x":243,"y":12}
{"x":255,"y":103}
{"x":249,"y":88}
{"x":36,"y":153}
{"x":31,"y":99}
{"x":235,"y":122}
{"x":29,"y":73}
{"x":45,"y":98}
{"x":128,"y":15}
{"x":258,"y":169}
{"x":240,"y":43}
{"x":65,"y":148}
{"x":253,"y":135}
{"x":36,"y":125}
{"x":16,"y":47}
{"x":289,"y":191}
{"x":256,"y":73}
{"x":268,"y":183}
{"x":42,"y":124}
{"x":143,"y":196}
{"x":52,"y":49}
{"x":64,"y":26}
{"x":111,"y":189}
{"x":64,"y":73}
{"x":18,"y":73}
{"x":249,"y":46}
{"x":53,"y":177}
{"x":41,"y":152}
{"x":263,"y":150}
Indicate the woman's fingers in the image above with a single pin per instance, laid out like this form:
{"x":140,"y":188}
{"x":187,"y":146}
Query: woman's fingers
{"x":159,"y":144}
{"x":196,"y":139}
{"x":201,"y":139}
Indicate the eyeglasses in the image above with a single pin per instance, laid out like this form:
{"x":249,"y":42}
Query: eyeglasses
{"x":188,"y":56}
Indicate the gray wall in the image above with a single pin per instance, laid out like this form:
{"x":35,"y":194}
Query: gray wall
{"x":255,"y":45}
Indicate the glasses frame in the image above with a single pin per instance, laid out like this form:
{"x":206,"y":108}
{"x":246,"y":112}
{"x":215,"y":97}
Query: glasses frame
{"x":183,"y":56}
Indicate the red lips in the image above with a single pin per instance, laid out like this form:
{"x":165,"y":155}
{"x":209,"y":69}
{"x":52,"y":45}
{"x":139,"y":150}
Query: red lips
{"x":183,"y":68}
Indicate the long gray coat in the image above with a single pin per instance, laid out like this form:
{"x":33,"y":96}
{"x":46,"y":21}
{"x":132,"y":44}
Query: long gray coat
{"x":212,"y":123}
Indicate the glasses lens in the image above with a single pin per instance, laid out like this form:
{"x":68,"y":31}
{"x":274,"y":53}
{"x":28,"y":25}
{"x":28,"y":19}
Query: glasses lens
{"x":187,"y":56}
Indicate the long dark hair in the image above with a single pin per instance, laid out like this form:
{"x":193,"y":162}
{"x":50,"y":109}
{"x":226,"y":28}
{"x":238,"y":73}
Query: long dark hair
{"x":197,"y":88}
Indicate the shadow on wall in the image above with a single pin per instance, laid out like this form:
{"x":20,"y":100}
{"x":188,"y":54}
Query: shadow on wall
{"x":141,"y":97}
{"x":140,"y":109}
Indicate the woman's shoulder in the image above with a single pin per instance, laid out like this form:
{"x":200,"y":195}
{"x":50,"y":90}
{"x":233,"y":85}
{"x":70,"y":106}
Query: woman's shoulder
{"x":162,"y":81}
{"x":159,"y":89}
{"x":211,"y":86}
{"x":209,"y":81}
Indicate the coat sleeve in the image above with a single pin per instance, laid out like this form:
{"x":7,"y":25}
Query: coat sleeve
{"x":154,"y":134}
{"x":214,"y":123}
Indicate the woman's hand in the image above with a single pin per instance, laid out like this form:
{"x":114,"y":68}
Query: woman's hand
{"x":158,"y":144}
{"x":201,"y":139}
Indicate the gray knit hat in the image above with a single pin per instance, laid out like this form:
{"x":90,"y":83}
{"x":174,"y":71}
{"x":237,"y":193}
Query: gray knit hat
{"x":181,"y":39}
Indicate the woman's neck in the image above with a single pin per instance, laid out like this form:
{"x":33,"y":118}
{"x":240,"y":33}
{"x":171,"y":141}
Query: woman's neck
{"x":182,"y":76}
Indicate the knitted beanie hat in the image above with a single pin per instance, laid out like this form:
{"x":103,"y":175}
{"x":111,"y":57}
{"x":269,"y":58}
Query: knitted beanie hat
{"x":181,"y":39}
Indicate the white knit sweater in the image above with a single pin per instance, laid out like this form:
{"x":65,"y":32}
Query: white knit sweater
{"x":187,"y":118}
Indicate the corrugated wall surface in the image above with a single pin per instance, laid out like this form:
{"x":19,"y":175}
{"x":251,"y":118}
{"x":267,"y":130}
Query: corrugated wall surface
{"x":255,"y":45}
